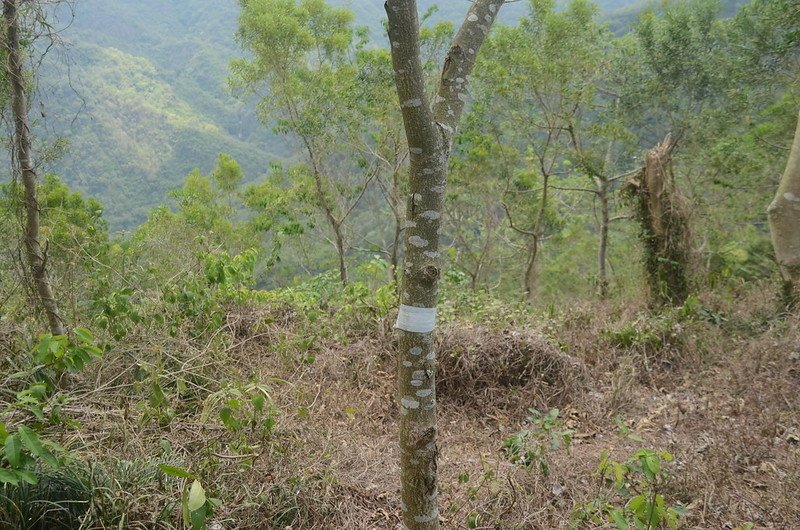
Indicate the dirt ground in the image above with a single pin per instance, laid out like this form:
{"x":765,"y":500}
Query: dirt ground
{"x":719,"y":391}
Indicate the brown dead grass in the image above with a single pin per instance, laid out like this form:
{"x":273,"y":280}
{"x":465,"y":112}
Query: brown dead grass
{"x":726,"y":405}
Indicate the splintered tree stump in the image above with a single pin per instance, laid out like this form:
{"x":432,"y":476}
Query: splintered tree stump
{"x":663,"y":216}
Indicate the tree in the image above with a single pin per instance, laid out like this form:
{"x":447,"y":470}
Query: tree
{"x":662,"y":214}
{"x":557,"y":112}
{"x":430,"y":129}
{"x":35,"y":249}
{"x":304,"y":55}
{"x":784,"y":222}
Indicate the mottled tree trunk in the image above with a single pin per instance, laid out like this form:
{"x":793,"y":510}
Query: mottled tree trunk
{"x":429,"y":131}
{"x":784,"y":223}
{"x":36,"y":255}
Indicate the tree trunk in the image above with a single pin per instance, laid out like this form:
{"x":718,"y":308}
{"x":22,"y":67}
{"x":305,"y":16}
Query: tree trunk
{"x":533,"y":249}
{"x":784,"y":222}
{"x":429,"y":132}
{"x":36,"y":255}
{"x":602,"y":251}
{"x":664,"y":221}
{"x":340,"y":250}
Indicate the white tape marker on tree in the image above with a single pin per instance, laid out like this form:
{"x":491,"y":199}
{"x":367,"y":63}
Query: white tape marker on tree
{"x":416,"y":319}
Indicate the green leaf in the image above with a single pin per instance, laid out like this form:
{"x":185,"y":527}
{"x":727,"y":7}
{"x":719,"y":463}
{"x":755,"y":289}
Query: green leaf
{"x":28,"y":477}
{"x":8,"y":477}
{"x":198,"y":518}
{"x":197,"y":496}
{"x":84,"y":334}
{"x":31,"y":440}
{"x":619,"y":519}
{"x":258,"y":402}
{"x":226,"y":415}
{"x":175,"y":471}
{"x":13,"y":448}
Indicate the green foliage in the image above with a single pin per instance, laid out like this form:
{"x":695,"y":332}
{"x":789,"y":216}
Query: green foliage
{"x":60,"y":353}
{"x":636,"y":497}
{"x":530,"y":447}
{"x":196,"y":507}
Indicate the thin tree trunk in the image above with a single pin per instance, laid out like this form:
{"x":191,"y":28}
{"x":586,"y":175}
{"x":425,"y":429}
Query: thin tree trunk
{"x":784,"y":222}
{"x":36,"y":255}
{"x":602,"y":252}
{"x":533,"y":249}
{"x":429,"y":132}
{"x":394,"y":256}
{"x":341,"y":251}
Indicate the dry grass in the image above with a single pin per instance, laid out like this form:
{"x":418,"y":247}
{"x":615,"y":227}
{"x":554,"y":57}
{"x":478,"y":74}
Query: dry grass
{"x":725,"y":405}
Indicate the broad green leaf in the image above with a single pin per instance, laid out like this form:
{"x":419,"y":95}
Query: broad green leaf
{"x":8,"y":477}
{"x":175,"y":471}
{"x":84,"y":334}
{"x":258,"y":402}
{"x":31,"y":440}
{"x":13,"y":447}
{"x":28,"y":477}
{"x":619,"y":519}
{"x":198,"y":518}
{"x":197,"y":496}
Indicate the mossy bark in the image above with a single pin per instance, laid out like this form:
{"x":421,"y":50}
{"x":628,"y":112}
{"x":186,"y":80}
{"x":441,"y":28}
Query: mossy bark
{"x":664,"y":220}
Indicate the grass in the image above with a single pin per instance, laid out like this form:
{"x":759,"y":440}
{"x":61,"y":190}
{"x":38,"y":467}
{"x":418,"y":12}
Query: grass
{"x":714,"y":385}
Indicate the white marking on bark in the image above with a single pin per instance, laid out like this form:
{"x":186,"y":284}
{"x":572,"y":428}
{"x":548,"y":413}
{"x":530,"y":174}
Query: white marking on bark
{"x":791,"y":197}
{"x":431,"y":215}
{"x":472,"y":17}
{"x":418,"y":241}
{"x":432,"y":255}
{"x":463,"y":97}
{"x":409,"y":224}
{"x":418,"y":374}
{"x":427,"y":518}
{"x":412,"y":103}
{"x":431,"y":356}
{"x":416,"y":383}
{"x":417,"y":197}
{"x":416,"y":350}
{"x":492,"y":8}
{"x":424,"y":393}
{"x":408,"y":364}
{"x":409,"y":402}
{"x":416,"y":320}
{"x":416,"y":150}
{"x":438,"y":189}
{"x":471,"y":51}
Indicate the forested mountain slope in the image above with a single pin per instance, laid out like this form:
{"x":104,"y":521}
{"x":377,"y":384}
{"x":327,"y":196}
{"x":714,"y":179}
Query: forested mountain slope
{"x":148,"y":100}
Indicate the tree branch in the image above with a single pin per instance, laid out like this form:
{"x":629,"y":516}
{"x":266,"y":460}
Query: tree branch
{"x":453,"y":88}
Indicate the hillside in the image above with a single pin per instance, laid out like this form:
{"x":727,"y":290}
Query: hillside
{"x":143,"y":98}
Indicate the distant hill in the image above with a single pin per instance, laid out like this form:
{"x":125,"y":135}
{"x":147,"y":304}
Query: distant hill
{"x":144,"y":98}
